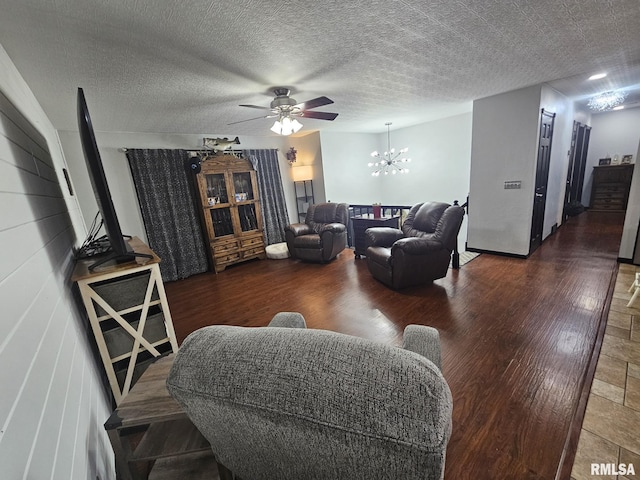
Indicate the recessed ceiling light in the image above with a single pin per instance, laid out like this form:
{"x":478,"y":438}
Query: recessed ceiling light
{"x":619,"y":107}
{"x":597,"y":76}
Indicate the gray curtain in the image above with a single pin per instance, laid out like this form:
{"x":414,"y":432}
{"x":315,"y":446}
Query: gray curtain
{"x":164,"y":188}
{"x":274,"y":208}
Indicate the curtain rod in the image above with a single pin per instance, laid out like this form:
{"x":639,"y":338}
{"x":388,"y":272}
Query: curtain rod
{"x":125,"y":149}
{"x":193,"y":150}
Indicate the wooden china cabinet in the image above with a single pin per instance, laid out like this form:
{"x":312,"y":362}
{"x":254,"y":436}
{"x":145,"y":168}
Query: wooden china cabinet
{"x":228,"y":194}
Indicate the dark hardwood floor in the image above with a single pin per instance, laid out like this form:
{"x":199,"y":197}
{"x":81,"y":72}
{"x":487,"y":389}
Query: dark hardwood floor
{"x":517,"y":335}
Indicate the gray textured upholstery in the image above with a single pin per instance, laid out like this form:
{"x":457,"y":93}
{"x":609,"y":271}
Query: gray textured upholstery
{"x":295,"y":403}
{"x":288,"y":319}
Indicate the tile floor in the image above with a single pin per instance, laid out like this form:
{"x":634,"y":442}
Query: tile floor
{"x":611,"y":427}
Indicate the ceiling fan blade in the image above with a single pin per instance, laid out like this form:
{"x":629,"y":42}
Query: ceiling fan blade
{"x":319,"y":115}
{"x":256,"y":106}
{"x":250,"y":119}
{"x":316,"y":102}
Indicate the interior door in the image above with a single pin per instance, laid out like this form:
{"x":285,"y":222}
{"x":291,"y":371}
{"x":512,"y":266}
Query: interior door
{"x":577,"y":164}
{"x":542,"y":178}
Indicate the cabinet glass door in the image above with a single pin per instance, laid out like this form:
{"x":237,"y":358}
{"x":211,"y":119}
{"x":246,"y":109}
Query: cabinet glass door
{"x":221,"y":221}
{"x":243,"y":186}
{"x":216,"y":189}
{"x":248,"y":220}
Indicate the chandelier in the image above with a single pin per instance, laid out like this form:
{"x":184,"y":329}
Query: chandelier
{"x":606,"y":101}
{"x":389,"y":162}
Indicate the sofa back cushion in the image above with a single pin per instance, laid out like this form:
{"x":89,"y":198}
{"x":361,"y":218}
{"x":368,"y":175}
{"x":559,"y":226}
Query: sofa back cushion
{"x":293,"y":403}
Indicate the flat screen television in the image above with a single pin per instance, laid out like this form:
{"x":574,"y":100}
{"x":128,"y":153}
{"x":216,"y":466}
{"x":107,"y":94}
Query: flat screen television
{"x":120,"y":251}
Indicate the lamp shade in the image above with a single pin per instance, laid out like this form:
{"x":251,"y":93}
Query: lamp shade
{"x":303,"y":172}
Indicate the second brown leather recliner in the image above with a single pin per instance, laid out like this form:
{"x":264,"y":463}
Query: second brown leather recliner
{"x":421,"y":251}
{"x":322,"y":236}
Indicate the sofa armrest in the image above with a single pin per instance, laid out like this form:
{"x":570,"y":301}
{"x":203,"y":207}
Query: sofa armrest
{"x":298,"y":229}
{"x":288,"y":319}
{"x":424,"y":341}
{"x":333,"y":227}
{"x":382,"y":236}
{"x":417,"y":245}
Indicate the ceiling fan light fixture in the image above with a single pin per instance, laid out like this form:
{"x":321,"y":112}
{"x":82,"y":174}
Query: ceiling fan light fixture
{"x":286,"y":126}
{"x":286,"y":109}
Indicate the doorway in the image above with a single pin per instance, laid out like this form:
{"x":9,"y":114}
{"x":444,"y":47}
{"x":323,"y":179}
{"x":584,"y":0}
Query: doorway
{"x":542,"y":178}
{"x":577,"y":165}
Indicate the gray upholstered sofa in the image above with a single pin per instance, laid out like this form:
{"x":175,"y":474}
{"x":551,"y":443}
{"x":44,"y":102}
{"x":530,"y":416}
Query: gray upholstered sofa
{"x":296,"y":403}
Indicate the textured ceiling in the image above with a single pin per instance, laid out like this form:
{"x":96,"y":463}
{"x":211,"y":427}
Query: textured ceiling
{"x":184,"y":67}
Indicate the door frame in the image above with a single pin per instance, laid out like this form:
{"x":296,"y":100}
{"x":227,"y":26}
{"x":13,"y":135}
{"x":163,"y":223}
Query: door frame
{"x":577,"y":165}
{"x":545,"y":142}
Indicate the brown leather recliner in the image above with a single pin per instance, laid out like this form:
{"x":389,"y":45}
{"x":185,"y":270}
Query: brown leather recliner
{"x":421,"y":251}
{"x":322,"y":236}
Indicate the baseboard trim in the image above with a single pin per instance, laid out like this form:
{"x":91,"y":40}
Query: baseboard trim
{"x":492,"y":252}
{"x":626,"y":260}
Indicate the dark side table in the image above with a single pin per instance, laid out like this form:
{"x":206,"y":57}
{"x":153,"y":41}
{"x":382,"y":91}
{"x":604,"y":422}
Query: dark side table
{"x":361,"y":223}
{"x":149,"y":431}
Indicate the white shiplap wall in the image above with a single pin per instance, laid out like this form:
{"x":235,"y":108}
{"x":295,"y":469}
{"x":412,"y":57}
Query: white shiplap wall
{"x":52,"y":398}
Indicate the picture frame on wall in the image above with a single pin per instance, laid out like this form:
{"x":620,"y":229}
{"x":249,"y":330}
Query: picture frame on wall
{"x":626,"y":159}
{"x":604,"y":161}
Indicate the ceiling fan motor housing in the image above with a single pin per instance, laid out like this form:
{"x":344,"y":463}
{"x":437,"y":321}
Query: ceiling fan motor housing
{"x":282,"y":99}
{"x":285,"y":108}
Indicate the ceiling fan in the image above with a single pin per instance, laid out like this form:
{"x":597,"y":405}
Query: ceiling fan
{"x":285,"y":109}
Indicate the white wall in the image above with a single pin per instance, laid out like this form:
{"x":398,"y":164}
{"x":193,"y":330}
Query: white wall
{"x":630,"y":233}
{"x":53,"y":401}
{"x":504,"y":146}
{"x":611,"y":133}
{"x":309,"y":153}
{"x":440,"y":153}
{"x":347,"y":179}
{"x":118,"y":174}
